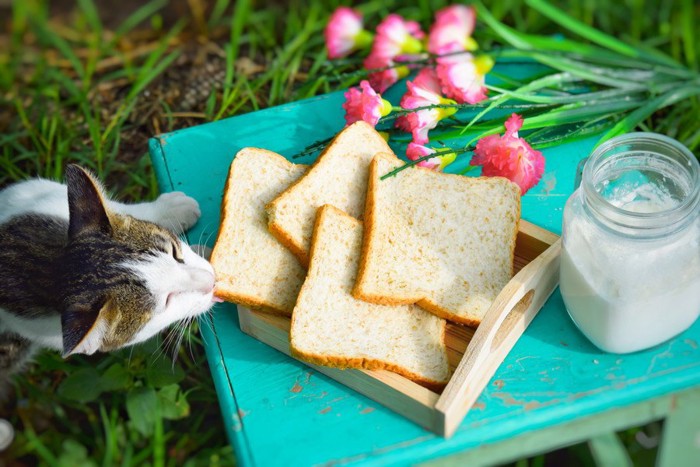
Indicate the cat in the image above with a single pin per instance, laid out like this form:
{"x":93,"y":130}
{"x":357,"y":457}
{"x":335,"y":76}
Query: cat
{"x":80,"y":273}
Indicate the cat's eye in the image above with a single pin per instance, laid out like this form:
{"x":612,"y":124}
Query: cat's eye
{"x":176,"y":254}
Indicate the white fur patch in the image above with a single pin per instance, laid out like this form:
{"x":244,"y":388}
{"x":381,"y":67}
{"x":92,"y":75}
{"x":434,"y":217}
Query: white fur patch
{"x":181,"y":291}
{"x":45,"y":331}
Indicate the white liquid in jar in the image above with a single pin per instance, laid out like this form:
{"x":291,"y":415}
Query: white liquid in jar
{"x":624,"y":294}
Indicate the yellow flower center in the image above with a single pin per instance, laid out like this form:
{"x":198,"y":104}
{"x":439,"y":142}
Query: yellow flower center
{"x":385,"y":109}
{"x":363,"y":39}
{"x":447,"y":159}
{"x":411,"y":45}
{"x":483,"y":64}
{"x":402,"y":71}
{"x":447,"y":111}
{"x":470,"y":44}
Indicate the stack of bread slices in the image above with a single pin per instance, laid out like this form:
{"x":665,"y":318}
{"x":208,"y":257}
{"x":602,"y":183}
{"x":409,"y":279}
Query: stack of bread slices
{"x":368,"y":269}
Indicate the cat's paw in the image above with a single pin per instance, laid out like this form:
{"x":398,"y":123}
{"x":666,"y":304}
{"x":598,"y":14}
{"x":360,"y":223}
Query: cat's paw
{"x":7,"y":434}
{"x":177,"y":211}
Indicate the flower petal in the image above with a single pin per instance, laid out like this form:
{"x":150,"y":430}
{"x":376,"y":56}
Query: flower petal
{"x":363,"y":103}
{"x":510,"y":156}
{"x":342,"y":30}
{"x":461,"y":79}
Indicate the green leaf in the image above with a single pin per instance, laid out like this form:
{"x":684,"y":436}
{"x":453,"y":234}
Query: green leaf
{"x":74,"y":454}
{"x":173,"y":402}
{"x":162,"y":372}
{"x":81,"y":386}
{"x":116,"y":377}
{"x":143,"y":409}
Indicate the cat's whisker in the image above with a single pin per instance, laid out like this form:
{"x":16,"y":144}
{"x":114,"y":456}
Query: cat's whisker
{"x":181,"y":334}
{"x":207,"y":318}
{"x":183,"y":331}
{"x":173,"y":342}
{"x":189,"y":337}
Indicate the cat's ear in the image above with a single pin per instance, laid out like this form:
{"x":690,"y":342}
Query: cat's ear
{"x":85,"y":203}
{"x":83,"y":330}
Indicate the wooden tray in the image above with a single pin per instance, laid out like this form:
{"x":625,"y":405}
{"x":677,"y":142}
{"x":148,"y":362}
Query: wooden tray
{"x":473,"y":355}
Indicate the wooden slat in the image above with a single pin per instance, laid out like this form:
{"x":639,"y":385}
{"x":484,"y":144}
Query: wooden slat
{"x":607,"y":449}
{"x":680,"y":441}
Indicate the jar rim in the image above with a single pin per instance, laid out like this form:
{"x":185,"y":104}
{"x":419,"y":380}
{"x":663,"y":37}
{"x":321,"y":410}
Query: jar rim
{"x":664,"y":146}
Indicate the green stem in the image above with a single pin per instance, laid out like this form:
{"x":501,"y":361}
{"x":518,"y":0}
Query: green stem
{"x":437,"y":153}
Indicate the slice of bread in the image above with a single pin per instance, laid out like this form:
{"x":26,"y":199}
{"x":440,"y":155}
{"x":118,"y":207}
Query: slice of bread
{"x":445,"y":242}
{"x":339,"y":177}
{"x":330,"y":327}
{"x":252,"y":268}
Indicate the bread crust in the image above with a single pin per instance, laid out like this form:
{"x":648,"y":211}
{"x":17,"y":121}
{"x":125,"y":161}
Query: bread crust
{"x":345,"y":363}
{"x":358,"y":291}
{"x":288,"y":242}
{"x":254,"y":303}
{"x":284,"y":237}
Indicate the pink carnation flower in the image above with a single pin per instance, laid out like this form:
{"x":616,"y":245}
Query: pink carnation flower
{"x":396,"y":36}
{"x":423,"y":91}
{"x":388,"y":72}
{"x":463,"y":77}
{"x":416,"y":151}
{"x":364,"y":103}
{"x":452,"y":30}
{"x":344,"y":33}
{"x":510,"y":156}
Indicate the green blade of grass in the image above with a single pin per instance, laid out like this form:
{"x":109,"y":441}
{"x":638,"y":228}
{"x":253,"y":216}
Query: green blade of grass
{"x":51,"y":38}
{"x":137,"y":17}
{"x":504,"y":97}
{"x":634,"y":118}
{"x":577,"y":27}
{"x":689,"y":29}
{"x":532,"y":42}
{"x":588,"y":97}
{"x":87,"y":7}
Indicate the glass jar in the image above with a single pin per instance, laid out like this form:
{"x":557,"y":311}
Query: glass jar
{"x":630,"y":263}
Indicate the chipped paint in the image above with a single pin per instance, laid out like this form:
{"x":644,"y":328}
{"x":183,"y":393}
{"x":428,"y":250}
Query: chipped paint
{"x":478,"y":406}
{"x":499,"y":383}
{"x":297,"y":388}
{"x":325,"y":410}
{"x":509,"y":400}
{"x":692,"y":343}
{"x":367,"y":410}
{"x":550,"y":182}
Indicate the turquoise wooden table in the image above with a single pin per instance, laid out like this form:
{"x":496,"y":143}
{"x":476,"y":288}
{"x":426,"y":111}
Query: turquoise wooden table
{"x":553,"y":389}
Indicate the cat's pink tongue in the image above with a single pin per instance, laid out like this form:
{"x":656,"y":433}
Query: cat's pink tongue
{"x":216,"y":299}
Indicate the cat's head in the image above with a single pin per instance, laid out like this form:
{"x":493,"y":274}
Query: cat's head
{"x":123,"y":279}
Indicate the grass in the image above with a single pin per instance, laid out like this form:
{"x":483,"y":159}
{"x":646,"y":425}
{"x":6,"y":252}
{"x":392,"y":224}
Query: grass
{"x":90,"y":82}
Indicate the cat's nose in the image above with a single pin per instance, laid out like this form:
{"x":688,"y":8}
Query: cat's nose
{"x":202,"y":280}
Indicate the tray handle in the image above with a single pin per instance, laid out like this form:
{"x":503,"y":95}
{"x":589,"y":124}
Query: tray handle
{"x":504,"y":323}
